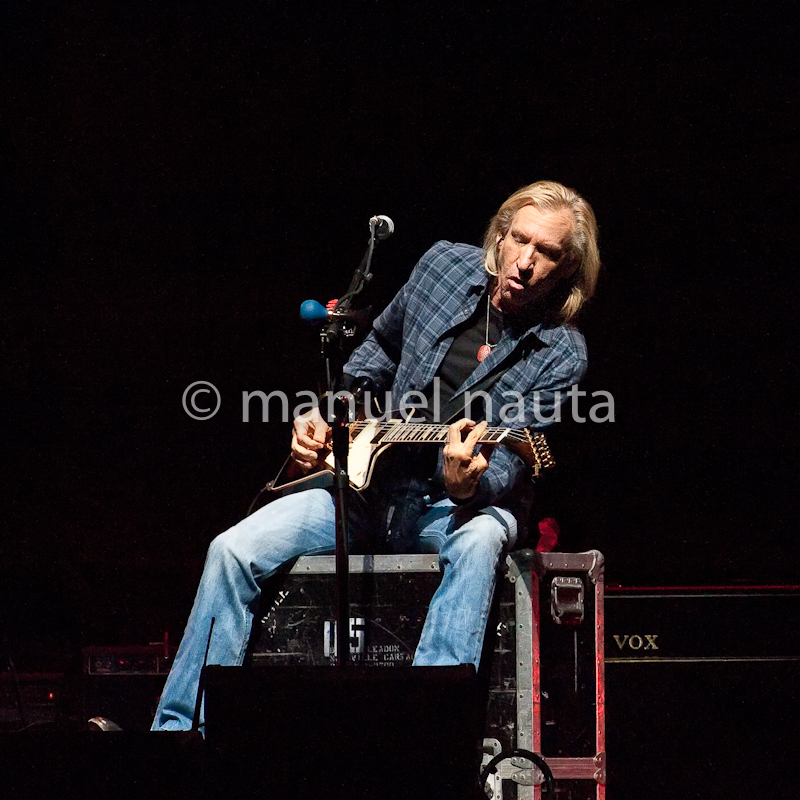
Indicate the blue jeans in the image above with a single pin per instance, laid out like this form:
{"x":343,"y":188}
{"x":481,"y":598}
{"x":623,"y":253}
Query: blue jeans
{"x":469,"y":545}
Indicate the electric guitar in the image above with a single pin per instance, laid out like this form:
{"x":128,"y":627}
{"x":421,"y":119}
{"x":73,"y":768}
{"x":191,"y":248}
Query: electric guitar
{"x":369,"y":438}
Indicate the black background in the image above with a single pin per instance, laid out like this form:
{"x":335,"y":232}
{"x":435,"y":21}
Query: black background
{"x":181,"y":178}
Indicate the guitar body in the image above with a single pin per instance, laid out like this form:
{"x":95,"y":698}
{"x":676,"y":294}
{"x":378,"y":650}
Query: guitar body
{"x":361,"y":458}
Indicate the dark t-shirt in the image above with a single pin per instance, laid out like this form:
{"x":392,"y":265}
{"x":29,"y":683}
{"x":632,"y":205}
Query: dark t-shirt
{"x":462,"y":357}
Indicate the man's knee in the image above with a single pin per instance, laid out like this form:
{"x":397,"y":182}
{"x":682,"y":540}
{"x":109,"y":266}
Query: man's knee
{"x":483,"y":534}
{"x":503,"y":525}
{"x":227,"y":546}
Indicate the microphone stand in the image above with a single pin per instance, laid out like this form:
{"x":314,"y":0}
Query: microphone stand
{"x":332,"y":345}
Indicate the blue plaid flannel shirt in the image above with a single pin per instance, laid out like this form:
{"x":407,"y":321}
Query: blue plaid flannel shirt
{"x":411,"y":337}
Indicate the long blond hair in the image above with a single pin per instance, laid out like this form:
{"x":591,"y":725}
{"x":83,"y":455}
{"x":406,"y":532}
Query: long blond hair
{"x":582,"y":252}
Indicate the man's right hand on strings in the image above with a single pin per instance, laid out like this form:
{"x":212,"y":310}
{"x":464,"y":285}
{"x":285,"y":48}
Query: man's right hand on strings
{"x":310,"y":441}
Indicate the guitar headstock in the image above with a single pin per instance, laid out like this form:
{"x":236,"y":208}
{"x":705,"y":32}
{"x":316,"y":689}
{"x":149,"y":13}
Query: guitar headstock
{"x":542,"y":457}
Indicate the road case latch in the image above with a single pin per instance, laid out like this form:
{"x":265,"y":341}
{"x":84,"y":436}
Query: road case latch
{"x":566,"y":600}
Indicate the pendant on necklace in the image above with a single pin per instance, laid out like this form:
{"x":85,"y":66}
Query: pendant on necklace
{"x":484,"y":351}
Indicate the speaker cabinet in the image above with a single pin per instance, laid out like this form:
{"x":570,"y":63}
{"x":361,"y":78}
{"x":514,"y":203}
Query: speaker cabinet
{"x":703,"y":693}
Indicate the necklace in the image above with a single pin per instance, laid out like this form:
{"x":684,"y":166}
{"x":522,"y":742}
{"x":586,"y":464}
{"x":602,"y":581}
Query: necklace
{"x":486,"y":349}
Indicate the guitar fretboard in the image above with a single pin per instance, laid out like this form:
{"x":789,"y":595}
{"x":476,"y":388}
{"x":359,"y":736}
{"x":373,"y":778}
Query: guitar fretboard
{"x":418,"y":432}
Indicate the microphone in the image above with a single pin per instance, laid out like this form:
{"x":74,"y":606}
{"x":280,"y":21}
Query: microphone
{"x":382,"y":225}
{"x":313,"y":313}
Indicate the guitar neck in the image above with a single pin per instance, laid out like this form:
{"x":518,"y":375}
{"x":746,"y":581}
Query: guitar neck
{"x":530,"y":447}
{"x":421,"y":432}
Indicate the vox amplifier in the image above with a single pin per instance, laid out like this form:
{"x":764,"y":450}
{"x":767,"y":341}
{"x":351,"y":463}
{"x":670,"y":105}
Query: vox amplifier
{"x":703,"y":692}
